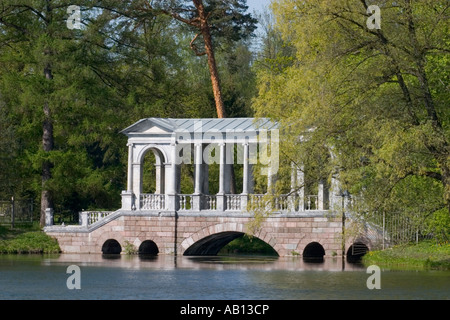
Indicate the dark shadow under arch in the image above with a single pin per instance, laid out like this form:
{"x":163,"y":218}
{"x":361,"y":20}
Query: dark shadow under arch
{"x":212,"y":244}
{"x":148,"y":247}
{"x":313,"y":252}
{"x":356,"y":251}
{"x":111,"y":246}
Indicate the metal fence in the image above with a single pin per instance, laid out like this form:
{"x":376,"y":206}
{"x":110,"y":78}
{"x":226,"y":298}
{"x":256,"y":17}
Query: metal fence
{"x":16,"y":212}
{"x":401,"y":228}
{"x":385,"y":229}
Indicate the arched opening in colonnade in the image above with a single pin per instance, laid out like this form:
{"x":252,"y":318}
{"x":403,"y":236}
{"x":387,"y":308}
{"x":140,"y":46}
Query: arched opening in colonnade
{"x":152,"y":172}
{"x":178,"y":176}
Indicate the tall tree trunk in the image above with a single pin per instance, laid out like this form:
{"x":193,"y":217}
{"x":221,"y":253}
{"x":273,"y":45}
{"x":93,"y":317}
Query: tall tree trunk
{"x":47,"y":146}
{"x":47,"y":133}
{"x":215,"y":80}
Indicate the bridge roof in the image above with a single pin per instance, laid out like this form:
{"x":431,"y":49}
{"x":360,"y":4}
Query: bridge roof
{"x":172,"y":125}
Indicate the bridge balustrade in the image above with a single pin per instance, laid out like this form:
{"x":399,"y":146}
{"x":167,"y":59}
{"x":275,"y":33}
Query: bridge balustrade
{"x":90,"y":217}
{"x":153,"y":201}
{"x":186,"y":202}
{"x":234,"y":202}
{"x":210,"y":202}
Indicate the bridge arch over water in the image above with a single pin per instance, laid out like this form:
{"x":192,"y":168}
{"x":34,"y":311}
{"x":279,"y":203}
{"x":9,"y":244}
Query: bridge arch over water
{"x":210,"y":240}
{"x":168,"y":222}
{"x":111,"y":246}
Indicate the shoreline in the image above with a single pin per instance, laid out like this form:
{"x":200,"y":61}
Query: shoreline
{"x":426,"y":255}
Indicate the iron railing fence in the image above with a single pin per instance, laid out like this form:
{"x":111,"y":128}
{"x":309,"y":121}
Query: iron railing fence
{"x":387,"y":228}
{"x":400,"y":228}
{"x":16,"y":211}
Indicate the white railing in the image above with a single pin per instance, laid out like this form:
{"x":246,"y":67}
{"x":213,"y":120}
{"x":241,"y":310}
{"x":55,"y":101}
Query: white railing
{"x":257,"y":201}
{"x":233,"y":202}
{"x":210,"y":202}
{"x":86,"y":218}
{"x":185,"y":201}
{"x":283,"y":202}
{"x":312,"y":202}
{"x":153,"y":201}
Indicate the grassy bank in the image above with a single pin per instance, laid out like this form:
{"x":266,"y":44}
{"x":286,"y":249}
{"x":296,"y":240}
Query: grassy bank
{"x":424,"y":255}
{"x":26,"y":240}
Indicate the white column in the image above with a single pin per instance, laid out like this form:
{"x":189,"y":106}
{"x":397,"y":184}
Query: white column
{"x":130,"y":168}
{"x":173,"y":177}
{"x":293,"y":177}
{"x":246,"y":169}
{"x":335,"y":192}
{"x":292,"y":196}
{"x":221,"y":201}
{"x":171,"y":195}
{"x":198,"y":168}
{"x":301,"y":188}
{"x":198,"y":183}
{"x":323,"y":195}
{"x":127,"y":196}
{"x":222,"y":169}
{"x":246,"y":177}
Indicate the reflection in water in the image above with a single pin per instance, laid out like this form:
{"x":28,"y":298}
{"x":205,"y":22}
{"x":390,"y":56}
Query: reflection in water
{"x":198,"y":277}
{"x":110,"y":256}
{"x":147,"y":257}
{"x":221,"y":262}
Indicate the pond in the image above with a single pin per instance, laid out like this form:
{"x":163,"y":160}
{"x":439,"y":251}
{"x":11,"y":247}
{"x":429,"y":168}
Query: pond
{"x":163,"y":277}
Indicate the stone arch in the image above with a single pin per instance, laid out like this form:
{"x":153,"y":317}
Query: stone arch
{"x":160,"y":160}
{"x":304,"y":241}
{"x":313,"y":251}
{"x":111,"y":246}
{"x":209,"y":240}
{"x":159,"y":152}
{"x":105,"y":236}
{"x":148,"y":247}
{"x":356,"y":251}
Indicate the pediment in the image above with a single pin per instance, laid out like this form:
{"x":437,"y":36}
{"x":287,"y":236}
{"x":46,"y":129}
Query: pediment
{"x":156,"y":130}
{"x":151,"y":126}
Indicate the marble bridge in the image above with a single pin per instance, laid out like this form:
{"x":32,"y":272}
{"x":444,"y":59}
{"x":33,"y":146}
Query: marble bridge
{"x":167,"y":221}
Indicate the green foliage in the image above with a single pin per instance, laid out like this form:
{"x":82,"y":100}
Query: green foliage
{"x":245,"y":244}
{"x":228,"y":19}
{"x":368,"y":106}
{"x":425,"y":255}
{"x":130,"y":248}
{"x":439,"y":225}
{"x":23,"y":241}
{"x":119,"y":68}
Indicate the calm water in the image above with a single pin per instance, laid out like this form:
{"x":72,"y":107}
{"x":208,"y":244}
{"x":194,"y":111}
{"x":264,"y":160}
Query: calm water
{"x":212,"y":278}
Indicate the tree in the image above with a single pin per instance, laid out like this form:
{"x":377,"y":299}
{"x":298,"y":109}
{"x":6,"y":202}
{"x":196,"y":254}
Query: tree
{"x":212,"y":19}
{"x":51,"y":78}
{"x":9,"y":145}
{"x":377,"y":98}
{"x":73,"y":90}
{"x":209,"y":19}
